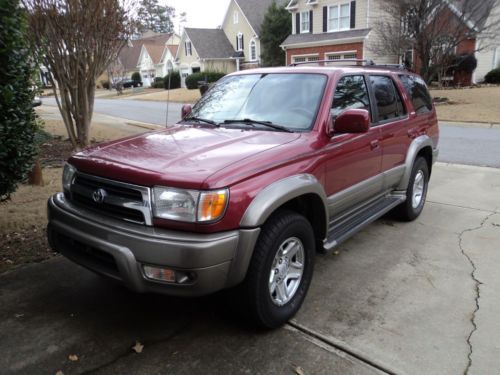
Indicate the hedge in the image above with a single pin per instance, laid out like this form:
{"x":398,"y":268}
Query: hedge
{"x":175,"y":80}
{"x":193,"y":79}
{"x":136,"y":77}
{"x":493,"y":76}
{"x":158,"y":83}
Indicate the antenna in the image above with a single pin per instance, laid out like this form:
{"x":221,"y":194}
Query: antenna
{"x":169,"y":78}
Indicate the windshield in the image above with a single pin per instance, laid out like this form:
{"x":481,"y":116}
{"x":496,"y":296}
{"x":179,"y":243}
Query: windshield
{"x":287,"y":100}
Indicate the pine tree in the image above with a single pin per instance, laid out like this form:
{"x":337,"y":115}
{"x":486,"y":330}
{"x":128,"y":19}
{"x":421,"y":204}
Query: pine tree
{"x":277,"y":25}
{"x":155,"y":17}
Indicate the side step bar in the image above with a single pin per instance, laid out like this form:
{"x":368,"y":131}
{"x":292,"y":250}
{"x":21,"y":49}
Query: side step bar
{"x":343,"y":228}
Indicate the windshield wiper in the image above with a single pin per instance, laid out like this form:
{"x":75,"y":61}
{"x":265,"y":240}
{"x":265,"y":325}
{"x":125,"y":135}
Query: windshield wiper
{"x":199,"y":119}
{"x":265,"y":123}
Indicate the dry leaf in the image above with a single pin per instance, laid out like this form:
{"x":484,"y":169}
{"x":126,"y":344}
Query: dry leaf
{"x":336,"y":252}
{"x":73,"y":357}
{"x":138,"y":347}
{"x":299,"y":370}
{"x":59,"y":372}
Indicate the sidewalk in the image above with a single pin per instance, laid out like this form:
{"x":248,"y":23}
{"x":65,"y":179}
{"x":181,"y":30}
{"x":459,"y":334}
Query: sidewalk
{"x":417,"y":297}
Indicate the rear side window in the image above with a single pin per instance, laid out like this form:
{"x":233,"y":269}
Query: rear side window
{"x":351,"y":93}
{"x":387,"y":98}
{"x":419,"y":95}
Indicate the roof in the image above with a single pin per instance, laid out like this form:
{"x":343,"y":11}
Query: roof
{"x":254,"y":11}
{"x":210,"y":43}
{"x":155,"y":51}
{"x":324,"y":37}
{"x":173,"y":49}
{"x":129,"y":55}
{"x":476,"y":13}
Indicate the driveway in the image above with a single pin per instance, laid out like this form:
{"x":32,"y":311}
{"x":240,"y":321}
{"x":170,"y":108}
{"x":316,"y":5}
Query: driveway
{"x":415,"y":298}
{"x":472,"y":145}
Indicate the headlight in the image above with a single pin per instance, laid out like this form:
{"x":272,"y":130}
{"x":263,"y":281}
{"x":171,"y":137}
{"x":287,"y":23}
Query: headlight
{"x":189,"y":205}
{"x":68,"y":174}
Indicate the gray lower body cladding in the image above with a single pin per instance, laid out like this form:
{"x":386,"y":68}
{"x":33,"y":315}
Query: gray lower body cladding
{"x":119,"y":250}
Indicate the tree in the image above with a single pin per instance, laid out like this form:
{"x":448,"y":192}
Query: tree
{"x":277,"y":25}
{"x":433,"y":29}
{"x":77,"y":40}
{"x":155,"y":17}
{"x":17,"y":118}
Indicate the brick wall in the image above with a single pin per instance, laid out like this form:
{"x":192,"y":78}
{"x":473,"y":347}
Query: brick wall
{"x":322,"y":50}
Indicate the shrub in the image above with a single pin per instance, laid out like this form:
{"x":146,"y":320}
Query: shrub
{"x":193,"y":79}
{"x":466,"y":63}
{"x":175,"y":80}
{"x":136,"y":77}
{"x":493,"y":76}
{"x":105,"y":85}
{"x":17,"y":118}
{"x":158,"y":83}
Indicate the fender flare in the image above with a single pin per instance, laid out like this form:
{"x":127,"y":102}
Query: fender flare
{"x":416,"y":145}
{"x":277,"y":194}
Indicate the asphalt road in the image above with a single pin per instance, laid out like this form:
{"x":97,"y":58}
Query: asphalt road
{"x":471,"y":145}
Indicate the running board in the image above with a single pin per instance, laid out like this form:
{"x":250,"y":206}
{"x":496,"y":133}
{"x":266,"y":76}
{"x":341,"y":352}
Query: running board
{"x":340,"y":230}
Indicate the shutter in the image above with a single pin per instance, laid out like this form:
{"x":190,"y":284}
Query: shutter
{"x":185,"y":48}
{"x":310,"y":21}
{"x":297,"y":23}
{"x":325,"y":19}
{"x":237,"y":43}
{"x":353,"y":14}
{"x":242,"y":43}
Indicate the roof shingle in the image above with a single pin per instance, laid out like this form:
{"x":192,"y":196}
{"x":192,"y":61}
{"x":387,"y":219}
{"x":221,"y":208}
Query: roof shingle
{"x":254,"y":11}
{"x":324,"y":37}
{"x":210,"y":43}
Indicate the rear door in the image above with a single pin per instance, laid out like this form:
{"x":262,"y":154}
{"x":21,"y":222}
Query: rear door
{"x":353,"y":166}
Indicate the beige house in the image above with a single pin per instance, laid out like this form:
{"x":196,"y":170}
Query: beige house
{"x":488,"y":49}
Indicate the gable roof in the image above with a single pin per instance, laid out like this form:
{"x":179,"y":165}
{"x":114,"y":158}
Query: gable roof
{"x":254,"y":11}
{"x":210,"y":43}
{"x":129,"y":55}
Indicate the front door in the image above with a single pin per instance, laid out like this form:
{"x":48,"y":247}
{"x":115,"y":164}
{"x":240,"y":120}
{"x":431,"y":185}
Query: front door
{"x":353,"y":168}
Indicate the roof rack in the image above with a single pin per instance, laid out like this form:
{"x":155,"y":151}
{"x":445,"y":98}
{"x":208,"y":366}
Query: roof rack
{"x":364,"y":62}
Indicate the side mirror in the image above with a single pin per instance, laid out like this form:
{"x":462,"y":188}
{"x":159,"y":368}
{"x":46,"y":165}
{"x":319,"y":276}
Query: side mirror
{"x":186,"y":110}
{"x":352,"y":121}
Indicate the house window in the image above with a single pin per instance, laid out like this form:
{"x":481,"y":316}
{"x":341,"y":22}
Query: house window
{"x":340,"y":56}
{"x":304,"y":22}
{"x":239,"y":42}
{"x":235,"y":17}
{"x":350,"y":56}
{"x":339,"y":17}
{"x":302,"y":59}
{"x":253,"y":50}
{"x":188,"y":48}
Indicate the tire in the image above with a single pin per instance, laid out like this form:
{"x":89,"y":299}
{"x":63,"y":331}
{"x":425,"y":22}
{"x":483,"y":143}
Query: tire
{"x":286,"y":231}
{"x":410,"y":210}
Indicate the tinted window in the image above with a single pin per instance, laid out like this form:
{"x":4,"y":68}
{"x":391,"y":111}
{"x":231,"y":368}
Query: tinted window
{"x":387,"y":98}
{"x":351,"y":93}
{"x":417,"y":90}
{"x":290,"y":100}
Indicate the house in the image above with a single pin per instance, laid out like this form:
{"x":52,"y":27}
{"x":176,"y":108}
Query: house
{"x":488,"y":49}
{"x":343,"y":29}
{"x":232,"y":47}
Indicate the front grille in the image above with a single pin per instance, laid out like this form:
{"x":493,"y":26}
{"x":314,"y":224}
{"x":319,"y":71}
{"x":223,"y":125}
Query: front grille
{"x":88,"y":256}
{"x":120,"y":200}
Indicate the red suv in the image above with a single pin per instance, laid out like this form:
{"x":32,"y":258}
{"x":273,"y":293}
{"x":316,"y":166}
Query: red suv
{"x":270,"y":166}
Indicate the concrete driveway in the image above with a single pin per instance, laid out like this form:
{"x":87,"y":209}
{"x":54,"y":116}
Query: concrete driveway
{"x":415,"y":298}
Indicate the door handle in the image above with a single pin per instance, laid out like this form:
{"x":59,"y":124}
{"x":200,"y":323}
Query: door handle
{"x":374,"y":144}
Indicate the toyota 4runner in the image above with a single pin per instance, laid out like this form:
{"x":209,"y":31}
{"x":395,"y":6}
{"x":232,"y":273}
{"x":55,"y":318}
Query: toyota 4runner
{"x":269,"y":166}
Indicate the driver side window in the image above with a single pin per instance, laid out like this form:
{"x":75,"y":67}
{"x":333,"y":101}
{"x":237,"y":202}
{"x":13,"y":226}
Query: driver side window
{"x":351,"y":93}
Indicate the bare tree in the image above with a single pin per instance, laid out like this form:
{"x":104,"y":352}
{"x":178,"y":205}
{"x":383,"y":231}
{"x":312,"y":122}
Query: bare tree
{"x":77,"y":40}
{"x":433,"y":29}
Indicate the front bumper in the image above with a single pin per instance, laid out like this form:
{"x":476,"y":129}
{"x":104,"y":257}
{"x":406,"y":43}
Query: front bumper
{"x":119,"y":250}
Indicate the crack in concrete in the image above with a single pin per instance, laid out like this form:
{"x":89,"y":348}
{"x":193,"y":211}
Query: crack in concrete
{"x":129,"y":351}
{"x":477,"y":283}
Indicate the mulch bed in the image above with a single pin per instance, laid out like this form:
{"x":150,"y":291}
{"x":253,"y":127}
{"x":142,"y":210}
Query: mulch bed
{"x":55,"y":151}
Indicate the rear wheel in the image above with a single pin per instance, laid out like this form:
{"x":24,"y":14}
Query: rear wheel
{"x":280,"y":270}
{"x":416,"y":192}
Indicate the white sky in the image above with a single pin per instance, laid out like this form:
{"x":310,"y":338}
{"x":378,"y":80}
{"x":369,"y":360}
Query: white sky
{"x":200,"y":13}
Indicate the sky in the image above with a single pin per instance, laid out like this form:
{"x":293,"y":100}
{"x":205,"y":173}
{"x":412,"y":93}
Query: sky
{"x":200,"y":13}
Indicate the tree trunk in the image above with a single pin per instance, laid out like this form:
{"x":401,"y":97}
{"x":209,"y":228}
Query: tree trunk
{"x":35,"y":176}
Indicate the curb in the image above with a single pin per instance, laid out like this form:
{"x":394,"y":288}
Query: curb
{"x":470,"y":124}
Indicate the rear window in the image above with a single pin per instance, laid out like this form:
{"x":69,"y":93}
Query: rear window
{"x":417,"y":90}
{"x":387,"y":98}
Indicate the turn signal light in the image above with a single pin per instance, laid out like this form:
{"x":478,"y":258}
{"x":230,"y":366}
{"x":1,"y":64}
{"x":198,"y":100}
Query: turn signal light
{"x":161,"y":274}
{"x":212,"y":205}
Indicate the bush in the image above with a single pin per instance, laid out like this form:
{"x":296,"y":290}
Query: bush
{"x":193,"y":79}
{"x":136,"y":77}
{"x":175,"y":80}
{"x":493,"y":76}
{"x":158,"y":83}
{"x":17,"y":118}
{"x":105,"y":85}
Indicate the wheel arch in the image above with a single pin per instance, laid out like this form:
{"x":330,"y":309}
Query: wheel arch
{"x":420,"y":146}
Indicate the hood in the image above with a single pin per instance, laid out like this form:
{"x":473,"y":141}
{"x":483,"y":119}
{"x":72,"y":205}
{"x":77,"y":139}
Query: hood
{"x":183,"y":156}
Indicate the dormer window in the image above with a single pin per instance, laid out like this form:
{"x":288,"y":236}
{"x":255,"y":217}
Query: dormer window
{"x":239,"y":42}
{"x":188,"y":48}
{"x":235,"y":17}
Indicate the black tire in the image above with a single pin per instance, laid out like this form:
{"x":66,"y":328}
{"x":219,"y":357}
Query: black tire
{"x":279,"y":228}
{"x":406,"y":211}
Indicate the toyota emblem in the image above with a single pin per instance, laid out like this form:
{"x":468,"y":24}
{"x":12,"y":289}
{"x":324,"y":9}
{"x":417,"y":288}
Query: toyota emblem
{"x":99,"y":195}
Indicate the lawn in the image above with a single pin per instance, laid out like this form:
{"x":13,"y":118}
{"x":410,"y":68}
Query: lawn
{"x":470,"y":104}
{"x":176,"y":95}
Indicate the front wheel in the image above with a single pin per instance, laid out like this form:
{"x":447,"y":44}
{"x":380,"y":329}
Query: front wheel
{"x":281,"y":269}
{"x":416,"y":192}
